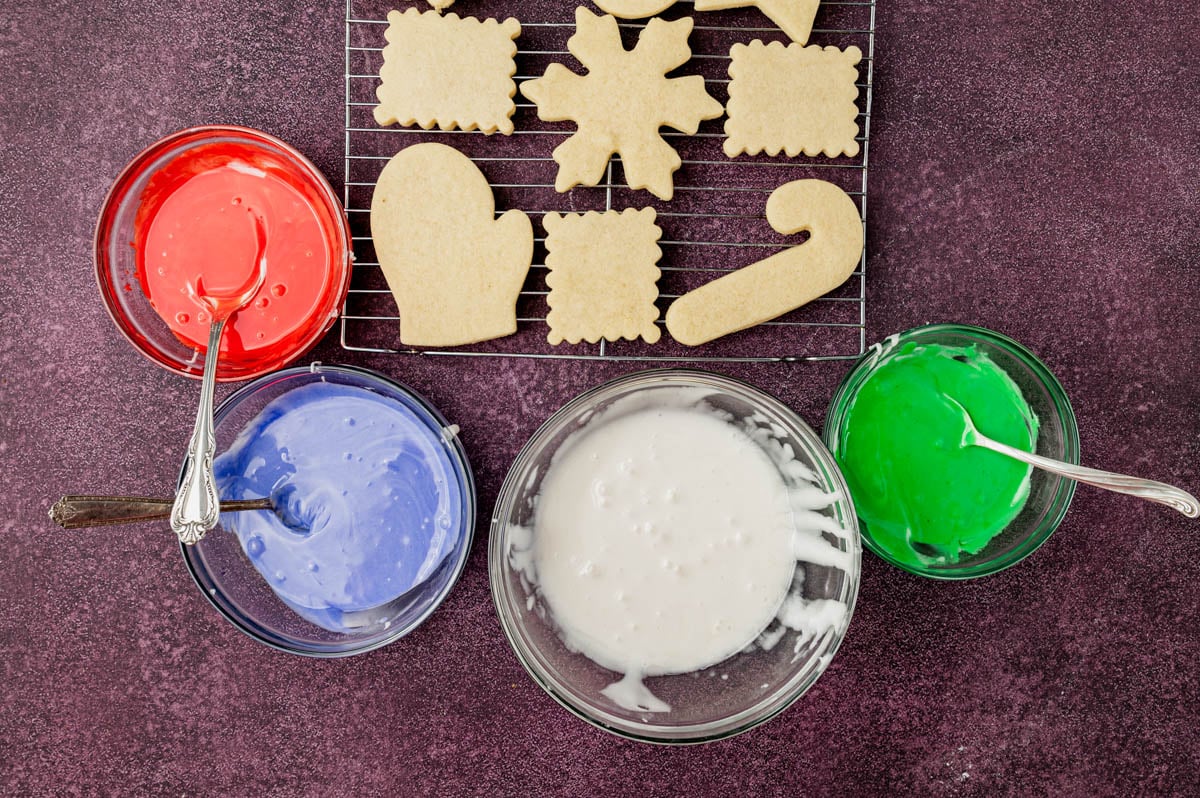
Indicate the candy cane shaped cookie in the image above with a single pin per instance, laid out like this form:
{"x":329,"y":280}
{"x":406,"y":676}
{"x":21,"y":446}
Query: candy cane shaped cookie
{"x":783,"y":282}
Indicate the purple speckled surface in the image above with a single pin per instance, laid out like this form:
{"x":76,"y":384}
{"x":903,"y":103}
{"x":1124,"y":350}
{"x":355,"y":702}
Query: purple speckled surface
{"x":1036,"y":170}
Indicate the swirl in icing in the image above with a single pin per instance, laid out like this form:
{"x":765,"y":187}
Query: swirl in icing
{"x":368,"y":501}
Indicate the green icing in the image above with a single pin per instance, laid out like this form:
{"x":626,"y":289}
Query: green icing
{"x":924,"y":497}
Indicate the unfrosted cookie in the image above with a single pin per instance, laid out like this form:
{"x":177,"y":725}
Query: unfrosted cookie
{"x":621,"y":103}
{"x":441,"y":5}
{"x":634,"y":9}
{"x":603,"y":275}
{"x":783,"y":282}
{"x":446,"y":71}
{"x":792,"y":99}
{"x":794,"y":17}
{"x":453,"y":267}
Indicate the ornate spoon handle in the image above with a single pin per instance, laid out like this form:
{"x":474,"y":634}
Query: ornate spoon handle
{"x":197,"y":505}
{"x":1147,"y":489}
{"x":76,"y":512}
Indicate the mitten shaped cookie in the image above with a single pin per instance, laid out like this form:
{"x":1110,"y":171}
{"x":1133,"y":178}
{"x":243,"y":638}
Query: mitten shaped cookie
{"x":454,"y":268}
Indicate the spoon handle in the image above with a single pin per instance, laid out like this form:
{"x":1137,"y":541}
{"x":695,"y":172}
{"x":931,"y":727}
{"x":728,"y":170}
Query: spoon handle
{"x":76,"y":512}
{"x":197,"y":505}
{"x":1147,"y":489}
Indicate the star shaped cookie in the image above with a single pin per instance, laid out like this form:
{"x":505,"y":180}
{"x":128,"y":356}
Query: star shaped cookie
{"x":794,"y":17}
{"x":621,"y":103}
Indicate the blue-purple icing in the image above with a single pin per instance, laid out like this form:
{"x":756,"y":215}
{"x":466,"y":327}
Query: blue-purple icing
{"x":371,"y":498}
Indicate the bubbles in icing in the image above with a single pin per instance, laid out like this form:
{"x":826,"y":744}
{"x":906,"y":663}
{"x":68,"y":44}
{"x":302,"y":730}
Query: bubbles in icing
{"x":368,"y":502}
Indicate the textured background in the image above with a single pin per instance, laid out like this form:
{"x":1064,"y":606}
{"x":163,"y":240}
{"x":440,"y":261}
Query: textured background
{"x":1037,"y":171}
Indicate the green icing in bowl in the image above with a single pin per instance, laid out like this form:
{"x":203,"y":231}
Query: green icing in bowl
{"x":924,"y":497}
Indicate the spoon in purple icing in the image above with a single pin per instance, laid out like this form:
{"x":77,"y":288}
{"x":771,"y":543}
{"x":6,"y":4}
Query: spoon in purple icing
{"x":78,"y":512}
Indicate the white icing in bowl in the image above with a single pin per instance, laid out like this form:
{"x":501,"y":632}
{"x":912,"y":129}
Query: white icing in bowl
{"x":673,"y":557}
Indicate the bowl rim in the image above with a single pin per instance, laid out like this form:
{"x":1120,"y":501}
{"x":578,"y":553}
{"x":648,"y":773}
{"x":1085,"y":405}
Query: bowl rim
{"x":694,"y":734}
{"x":249,"y":628}
{"x":118,"y":191}
{"x":1059,"y":398}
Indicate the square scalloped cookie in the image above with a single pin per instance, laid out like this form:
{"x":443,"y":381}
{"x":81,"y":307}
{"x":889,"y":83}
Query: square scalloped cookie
{"x":603,"y":275}
{"x":792,"y":99}
{"x":448,"y":71}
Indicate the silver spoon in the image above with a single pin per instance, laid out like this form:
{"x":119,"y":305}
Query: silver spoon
{"x":77,"y":512}
{"x":1147,"y":489}
{"x":197,"y":506}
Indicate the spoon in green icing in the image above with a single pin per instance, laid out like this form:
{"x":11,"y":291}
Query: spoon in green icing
{"x":1147,"y":489}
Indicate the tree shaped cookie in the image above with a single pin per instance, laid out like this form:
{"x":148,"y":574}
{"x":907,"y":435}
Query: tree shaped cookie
{"x":446,"y":71}
{"x":621,"y":102}
{"x":794,"y":17}
{"x":603,"y":275}
{"x":453,"y":267}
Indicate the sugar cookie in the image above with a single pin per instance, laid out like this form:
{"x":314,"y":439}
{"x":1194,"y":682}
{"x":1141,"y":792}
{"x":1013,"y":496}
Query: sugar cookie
{"x":634,"y":9}
{"x":441,"y":5}
{"x":452,"y":72}
{"x":453,"y":267}
{"x":621,"y":102}
{"x":783,"y":282}
{"x":793,"y":99}
{"x":603,"y":275}
{"x":794,"y":17}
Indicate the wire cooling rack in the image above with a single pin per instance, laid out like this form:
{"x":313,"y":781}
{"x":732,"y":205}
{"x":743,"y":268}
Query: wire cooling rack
{"x":714,"y":224}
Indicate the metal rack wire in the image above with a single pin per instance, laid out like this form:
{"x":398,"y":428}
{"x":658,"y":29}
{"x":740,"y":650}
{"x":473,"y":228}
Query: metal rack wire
{"x":714,"y":224}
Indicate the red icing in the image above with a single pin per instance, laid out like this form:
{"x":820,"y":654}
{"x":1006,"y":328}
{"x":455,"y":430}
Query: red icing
{"x":196,"y":226}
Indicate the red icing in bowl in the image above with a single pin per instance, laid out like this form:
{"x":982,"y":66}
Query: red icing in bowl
{"x":183,"y":214}
{"x":195,"y":226}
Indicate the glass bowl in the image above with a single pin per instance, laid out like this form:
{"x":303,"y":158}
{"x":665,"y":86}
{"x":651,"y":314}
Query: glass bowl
{"x":116,"y":258}
{"x":734,"y":695}
{"x":1058,"y":438}
{"x":233,"y":585}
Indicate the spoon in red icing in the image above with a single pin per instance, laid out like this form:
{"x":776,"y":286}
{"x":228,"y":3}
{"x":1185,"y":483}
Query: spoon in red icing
{"x":197,"y":506}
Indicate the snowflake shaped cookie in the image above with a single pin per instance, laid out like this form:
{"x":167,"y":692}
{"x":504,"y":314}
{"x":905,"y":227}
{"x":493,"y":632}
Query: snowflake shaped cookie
{"x":621,"y":103}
